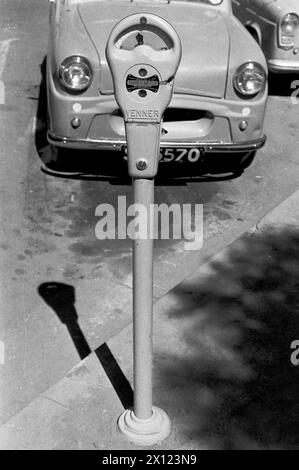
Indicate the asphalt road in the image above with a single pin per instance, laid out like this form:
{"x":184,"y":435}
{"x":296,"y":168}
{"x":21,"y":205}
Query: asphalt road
{"x":48,"y":224}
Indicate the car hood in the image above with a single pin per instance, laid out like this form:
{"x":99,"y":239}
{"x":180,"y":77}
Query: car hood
{"x":202,"y":30}
{"x":274,"y":9}
{"x":287,"y":6}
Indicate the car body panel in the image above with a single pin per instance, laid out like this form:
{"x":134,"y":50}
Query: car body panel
{"x":264,"y":16}
{"x":205,"y":110}
{"x":209,"y":79}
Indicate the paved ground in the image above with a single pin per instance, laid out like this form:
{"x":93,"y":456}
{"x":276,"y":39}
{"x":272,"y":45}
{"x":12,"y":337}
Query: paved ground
{"x":48,"y":242}
{"x":222,"y":359}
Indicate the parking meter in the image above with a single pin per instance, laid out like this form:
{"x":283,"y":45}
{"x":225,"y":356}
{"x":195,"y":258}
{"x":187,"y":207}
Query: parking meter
{"x":143,"y":53}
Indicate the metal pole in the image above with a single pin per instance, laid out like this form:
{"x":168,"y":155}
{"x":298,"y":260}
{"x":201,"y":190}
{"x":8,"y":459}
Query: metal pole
{"x":145,"y":424}
{"x":143,"y":304}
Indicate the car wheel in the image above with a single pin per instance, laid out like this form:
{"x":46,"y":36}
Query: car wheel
{"x":228,"y":163}
{"x":246,"y":161}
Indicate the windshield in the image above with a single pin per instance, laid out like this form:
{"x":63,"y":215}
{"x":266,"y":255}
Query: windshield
{"x":223,"y":3}
{"x":209,"y":2}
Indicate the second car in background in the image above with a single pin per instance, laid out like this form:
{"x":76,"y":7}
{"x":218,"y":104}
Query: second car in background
{"x":275,"y":26}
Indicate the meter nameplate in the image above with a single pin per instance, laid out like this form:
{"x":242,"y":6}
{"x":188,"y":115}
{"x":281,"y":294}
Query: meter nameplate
{"x":139,"y":83}
{"x":142,"y":115}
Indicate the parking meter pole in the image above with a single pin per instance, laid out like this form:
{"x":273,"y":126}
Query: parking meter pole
{"x":143,"y":52}
{"x":143,"y":304}
{"x":146,"y":424}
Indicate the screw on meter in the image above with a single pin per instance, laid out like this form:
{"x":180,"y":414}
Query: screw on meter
{"x":143,"y":53}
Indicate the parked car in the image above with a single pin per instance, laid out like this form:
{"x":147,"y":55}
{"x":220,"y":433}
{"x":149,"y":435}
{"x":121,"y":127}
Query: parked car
{"x":214,"y":123}
{"x":275,"y":26}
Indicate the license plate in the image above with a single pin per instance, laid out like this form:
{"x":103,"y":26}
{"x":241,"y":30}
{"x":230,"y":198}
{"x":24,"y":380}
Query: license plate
{"x":177,"y":155}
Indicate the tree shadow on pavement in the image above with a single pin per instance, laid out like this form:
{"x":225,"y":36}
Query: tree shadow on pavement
{"x":236,"y":370}
{"x":61,"y":298}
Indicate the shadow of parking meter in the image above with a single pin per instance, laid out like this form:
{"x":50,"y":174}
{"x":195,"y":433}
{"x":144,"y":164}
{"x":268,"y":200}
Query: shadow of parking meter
{"x":143,"y":53}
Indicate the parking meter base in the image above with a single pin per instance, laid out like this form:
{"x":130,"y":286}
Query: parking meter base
{"x":145,"y":432}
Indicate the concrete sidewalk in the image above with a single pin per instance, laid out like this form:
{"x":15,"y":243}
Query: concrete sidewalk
{"x":216,"y":372}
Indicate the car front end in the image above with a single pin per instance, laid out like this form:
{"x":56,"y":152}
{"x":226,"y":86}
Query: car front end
{"x":275,"y":26}
{"x":285,"y":58}
{"x":220,"y":91}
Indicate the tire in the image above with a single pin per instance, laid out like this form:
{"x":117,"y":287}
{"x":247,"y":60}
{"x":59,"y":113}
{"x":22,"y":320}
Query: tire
{"x":247,"y":160}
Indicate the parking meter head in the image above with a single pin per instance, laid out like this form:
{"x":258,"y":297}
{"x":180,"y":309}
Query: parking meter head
{"x":143,"y":52}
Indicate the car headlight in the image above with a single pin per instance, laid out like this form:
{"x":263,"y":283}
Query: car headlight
{"x":75,"y":73}
{"x":250,"y":79}
{"x":288,"y":26}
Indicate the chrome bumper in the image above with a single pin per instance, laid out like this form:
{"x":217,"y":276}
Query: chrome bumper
{"x":119,"y":145}
{"x":276,"y":65}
